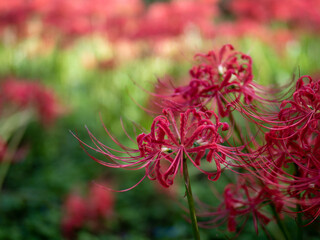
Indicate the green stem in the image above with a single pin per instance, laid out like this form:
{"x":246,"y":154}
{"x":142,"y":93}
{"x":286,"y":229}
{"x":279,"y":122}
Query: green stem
{"x":236,"y":128}
{"x":266,"y":233}
{"x":193,"y":216}
{"x":7,"y":159}
{"x":238,"y":132}
{"x":279,"y":222}
{"x":299,"y":223}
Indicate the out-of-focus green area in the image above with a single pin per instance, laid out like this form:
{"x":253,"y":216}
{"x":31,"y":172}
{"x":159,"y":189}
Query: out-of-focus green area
{"x":94,"y":76}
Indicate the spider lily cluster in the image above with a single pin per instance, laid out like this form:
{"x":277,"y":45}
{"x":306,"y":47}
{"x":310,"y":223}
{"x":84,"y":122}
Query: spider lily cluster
{"x":276,"y":165}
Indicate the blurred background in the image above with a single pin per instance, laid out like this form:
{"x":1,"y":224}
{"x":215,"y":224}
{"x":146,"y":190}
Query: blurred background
{"x":65,"y":63}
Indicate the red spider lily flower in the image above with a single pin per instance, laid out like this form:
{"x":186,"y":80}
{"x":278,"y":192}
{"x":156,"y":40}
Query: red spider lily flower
{"x":290,"y":157}
{"x":240,"y":200}
{"x":293,"y":167}
{"x":163,"y":151}
{"x":219,"y":76}
{"x":296,"y":114}
{"x":221,"y":79}
{"x":295,"y":138}
{"x":294,"y":170}
{"x":163,"y":90}
{"x":304,"y":109}
{"x":283,"y":152}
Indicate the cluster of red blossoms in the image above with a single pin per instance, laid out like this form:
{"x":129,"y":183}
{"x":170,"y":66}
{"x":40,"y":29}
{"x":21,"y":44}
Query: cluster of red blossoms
{"x":117,"y":19}
{"x":18,"y":94}
{"x":79,"y":211}
{"x":134,"y":20}
{"x":290,"y":156}
{"x":280,"y":170}
{"x":288,"y":11}
{"x":243,"y":199}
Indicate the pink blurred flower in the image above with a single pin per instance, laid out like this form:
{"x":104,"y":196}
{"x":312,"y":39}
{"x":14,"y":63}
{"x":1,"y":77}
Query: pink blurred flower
{"x":288,"y":11}
{"x":79,"y":212}
{"x":74,"y":214}
{"x":22,"y":94}
{"x":81,"y":17}
{"x":166,"y":20}
{"x":100,"y":203}
{"x":14,"y":13}
{"x":17,"y":92}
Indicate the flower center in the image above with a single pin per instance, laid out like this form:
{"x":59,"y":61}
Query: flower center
{"x":309,"y":106}
{"x":166,"y":150}
{"x":221,"y":70}
{"x":199,"y":143}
